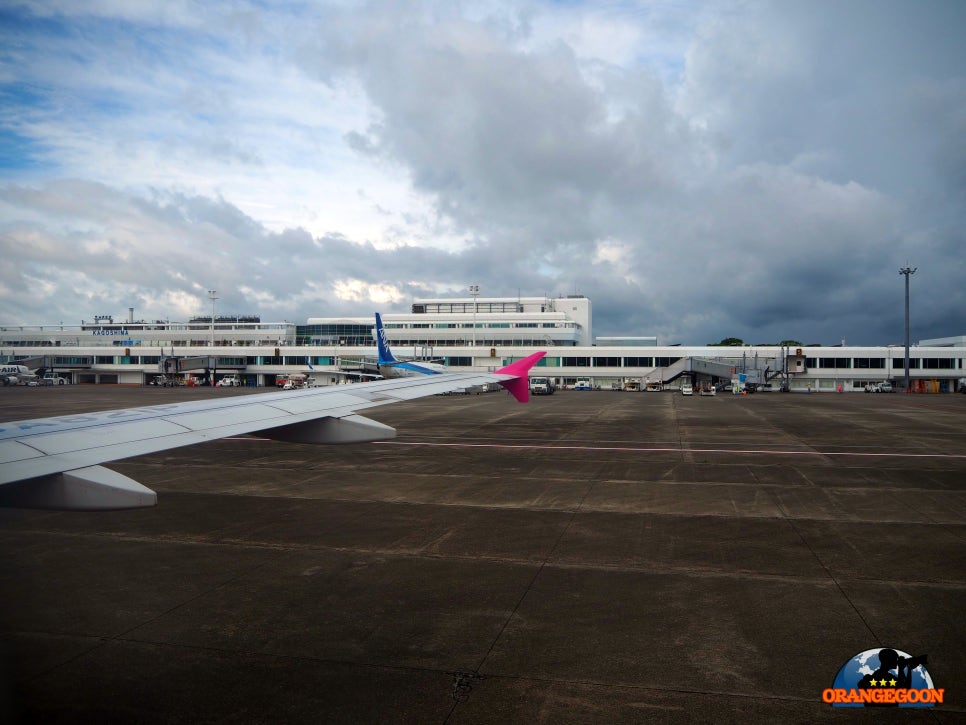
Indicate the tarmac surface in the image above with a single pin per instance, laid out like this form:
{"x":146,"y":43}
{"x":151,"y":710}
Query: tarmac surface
{"x":589,"y":557}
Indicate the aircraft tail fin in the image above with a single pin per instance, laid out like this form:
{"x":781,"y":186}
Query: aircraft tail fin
{"x":519,"y":385}
{"x":385,"y":354}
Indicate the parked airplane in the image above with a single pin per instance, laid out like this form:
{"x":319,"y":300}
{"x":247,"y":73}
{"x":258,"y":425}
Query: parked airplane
{"x":53,"y":463}
{"x":390,"y":367}
{"x":16,"y":374}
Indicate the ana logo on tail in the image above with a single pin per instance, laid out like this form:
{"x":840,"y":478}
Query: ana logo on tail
{"x":385,"y":354}
{"x":390,"y":367}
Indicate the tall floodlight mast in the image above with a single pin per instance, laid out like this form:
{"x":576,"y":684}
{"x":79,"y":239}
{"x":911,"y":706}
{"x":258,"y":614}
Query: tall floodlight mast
{"x":907,"y":272}
{"x":474,"y":293}
{"x":212,"y":297}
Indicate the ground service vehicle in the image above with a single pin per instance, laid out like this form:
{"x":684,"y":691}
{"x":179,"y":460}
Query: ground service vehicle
{"x":294,"y":381}
{"x":542,"y":386}
{"x":165,"y":381}
{"x":883,"y":387}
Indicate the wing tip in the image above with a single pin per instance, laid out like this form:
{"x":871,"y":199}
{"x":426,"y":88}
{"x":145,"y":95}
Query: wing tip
{"x":519,"y":385}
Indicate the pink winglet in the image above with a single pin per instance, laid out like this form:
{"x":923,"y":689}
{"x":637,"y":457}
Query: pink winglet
{"x":520,"y":386}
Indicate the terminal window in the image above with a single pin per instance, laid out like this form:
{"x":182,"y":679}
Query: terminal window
{"x":938,"y":363}
{"x":835,"y":362}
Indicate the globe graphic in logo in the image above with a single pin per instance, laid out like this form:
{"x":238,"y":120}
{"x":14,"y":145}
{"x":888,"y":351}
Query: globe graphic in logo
{"x":869,"y":664}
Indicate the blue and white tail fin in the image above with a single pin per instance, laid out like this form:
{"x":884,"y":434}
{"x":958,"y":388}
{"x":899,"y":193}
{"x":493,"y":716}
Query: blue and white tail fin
{"x":391,"y":367}
{"x":385,"y":354}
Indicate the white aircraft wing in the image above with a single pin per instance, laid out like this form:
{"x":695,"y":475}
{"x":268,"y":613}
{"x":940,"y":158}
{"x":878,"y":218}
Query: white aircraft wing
{"x":55,"y":462}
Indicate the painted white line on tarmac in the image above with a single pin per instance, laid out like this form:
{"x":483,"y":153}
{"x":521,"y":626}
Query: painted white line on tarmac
{"x":628,"y":449}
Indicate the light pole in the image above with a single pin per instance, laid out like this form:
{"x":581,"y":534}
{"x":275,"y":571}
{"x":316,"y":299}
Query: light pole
{"x":474,"y":293}
{"x":907,"y":272}
{"x":212,"y":297}
{"x":211,"y":358}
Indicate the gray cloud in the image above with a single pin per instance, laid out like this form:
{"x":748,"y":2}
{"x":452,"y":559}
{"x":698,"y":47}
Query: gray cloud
{"x":760,"y":172}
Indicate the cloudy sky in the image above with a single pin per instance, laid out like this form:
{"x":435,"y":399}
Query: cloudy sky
{"x":700,"y":170}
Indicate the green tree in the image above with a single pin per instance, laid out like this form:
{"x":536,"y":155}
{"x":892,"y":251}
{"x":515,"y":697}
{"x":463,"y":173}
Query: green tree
{"x":728,"y":342}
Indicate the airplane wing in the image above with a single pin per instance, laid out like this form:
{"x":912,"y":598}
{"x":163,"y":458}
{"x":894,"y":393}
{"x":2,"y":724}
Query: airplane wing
{"x":55,"y":462}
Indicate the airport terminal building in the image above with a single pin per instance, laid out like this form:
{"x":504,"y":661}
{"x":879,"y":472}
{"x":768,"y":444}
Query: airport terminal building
{"x":468,"y":334}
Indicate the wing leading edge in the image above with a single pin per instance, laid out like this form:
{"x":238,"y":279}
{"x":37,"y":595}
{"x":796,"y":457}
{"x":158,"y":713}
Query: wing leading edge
{"x":54,"y":463}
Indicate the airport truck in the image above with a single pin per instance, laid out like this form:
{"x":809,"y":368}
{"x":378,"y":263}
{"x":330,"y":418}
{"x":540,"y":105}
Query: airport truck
{"x":542,"y":386}
{"x":294,"y":381}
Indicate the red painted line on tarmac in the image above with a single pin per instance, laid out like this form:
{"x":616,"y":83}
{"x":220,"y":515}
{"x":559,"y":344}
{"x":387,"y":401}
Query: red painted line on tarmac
{"x":672,"y":450}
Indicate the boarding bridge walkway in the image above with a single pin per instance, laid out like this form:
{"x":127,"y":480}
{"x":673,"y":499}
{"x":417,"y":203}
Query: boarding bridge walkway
{"x":51,"y":362}
{"x":173,"y":365}
{"x":726,"y":368}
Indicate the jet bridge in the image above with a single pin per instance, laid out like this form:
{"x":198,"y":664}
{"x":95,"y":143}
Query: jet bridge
{"x":727,"y":369}
{"x":172,"y":365}
{"x":60,"y":362}
{"x":364,"y":366}
{"x":756,"y":371}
